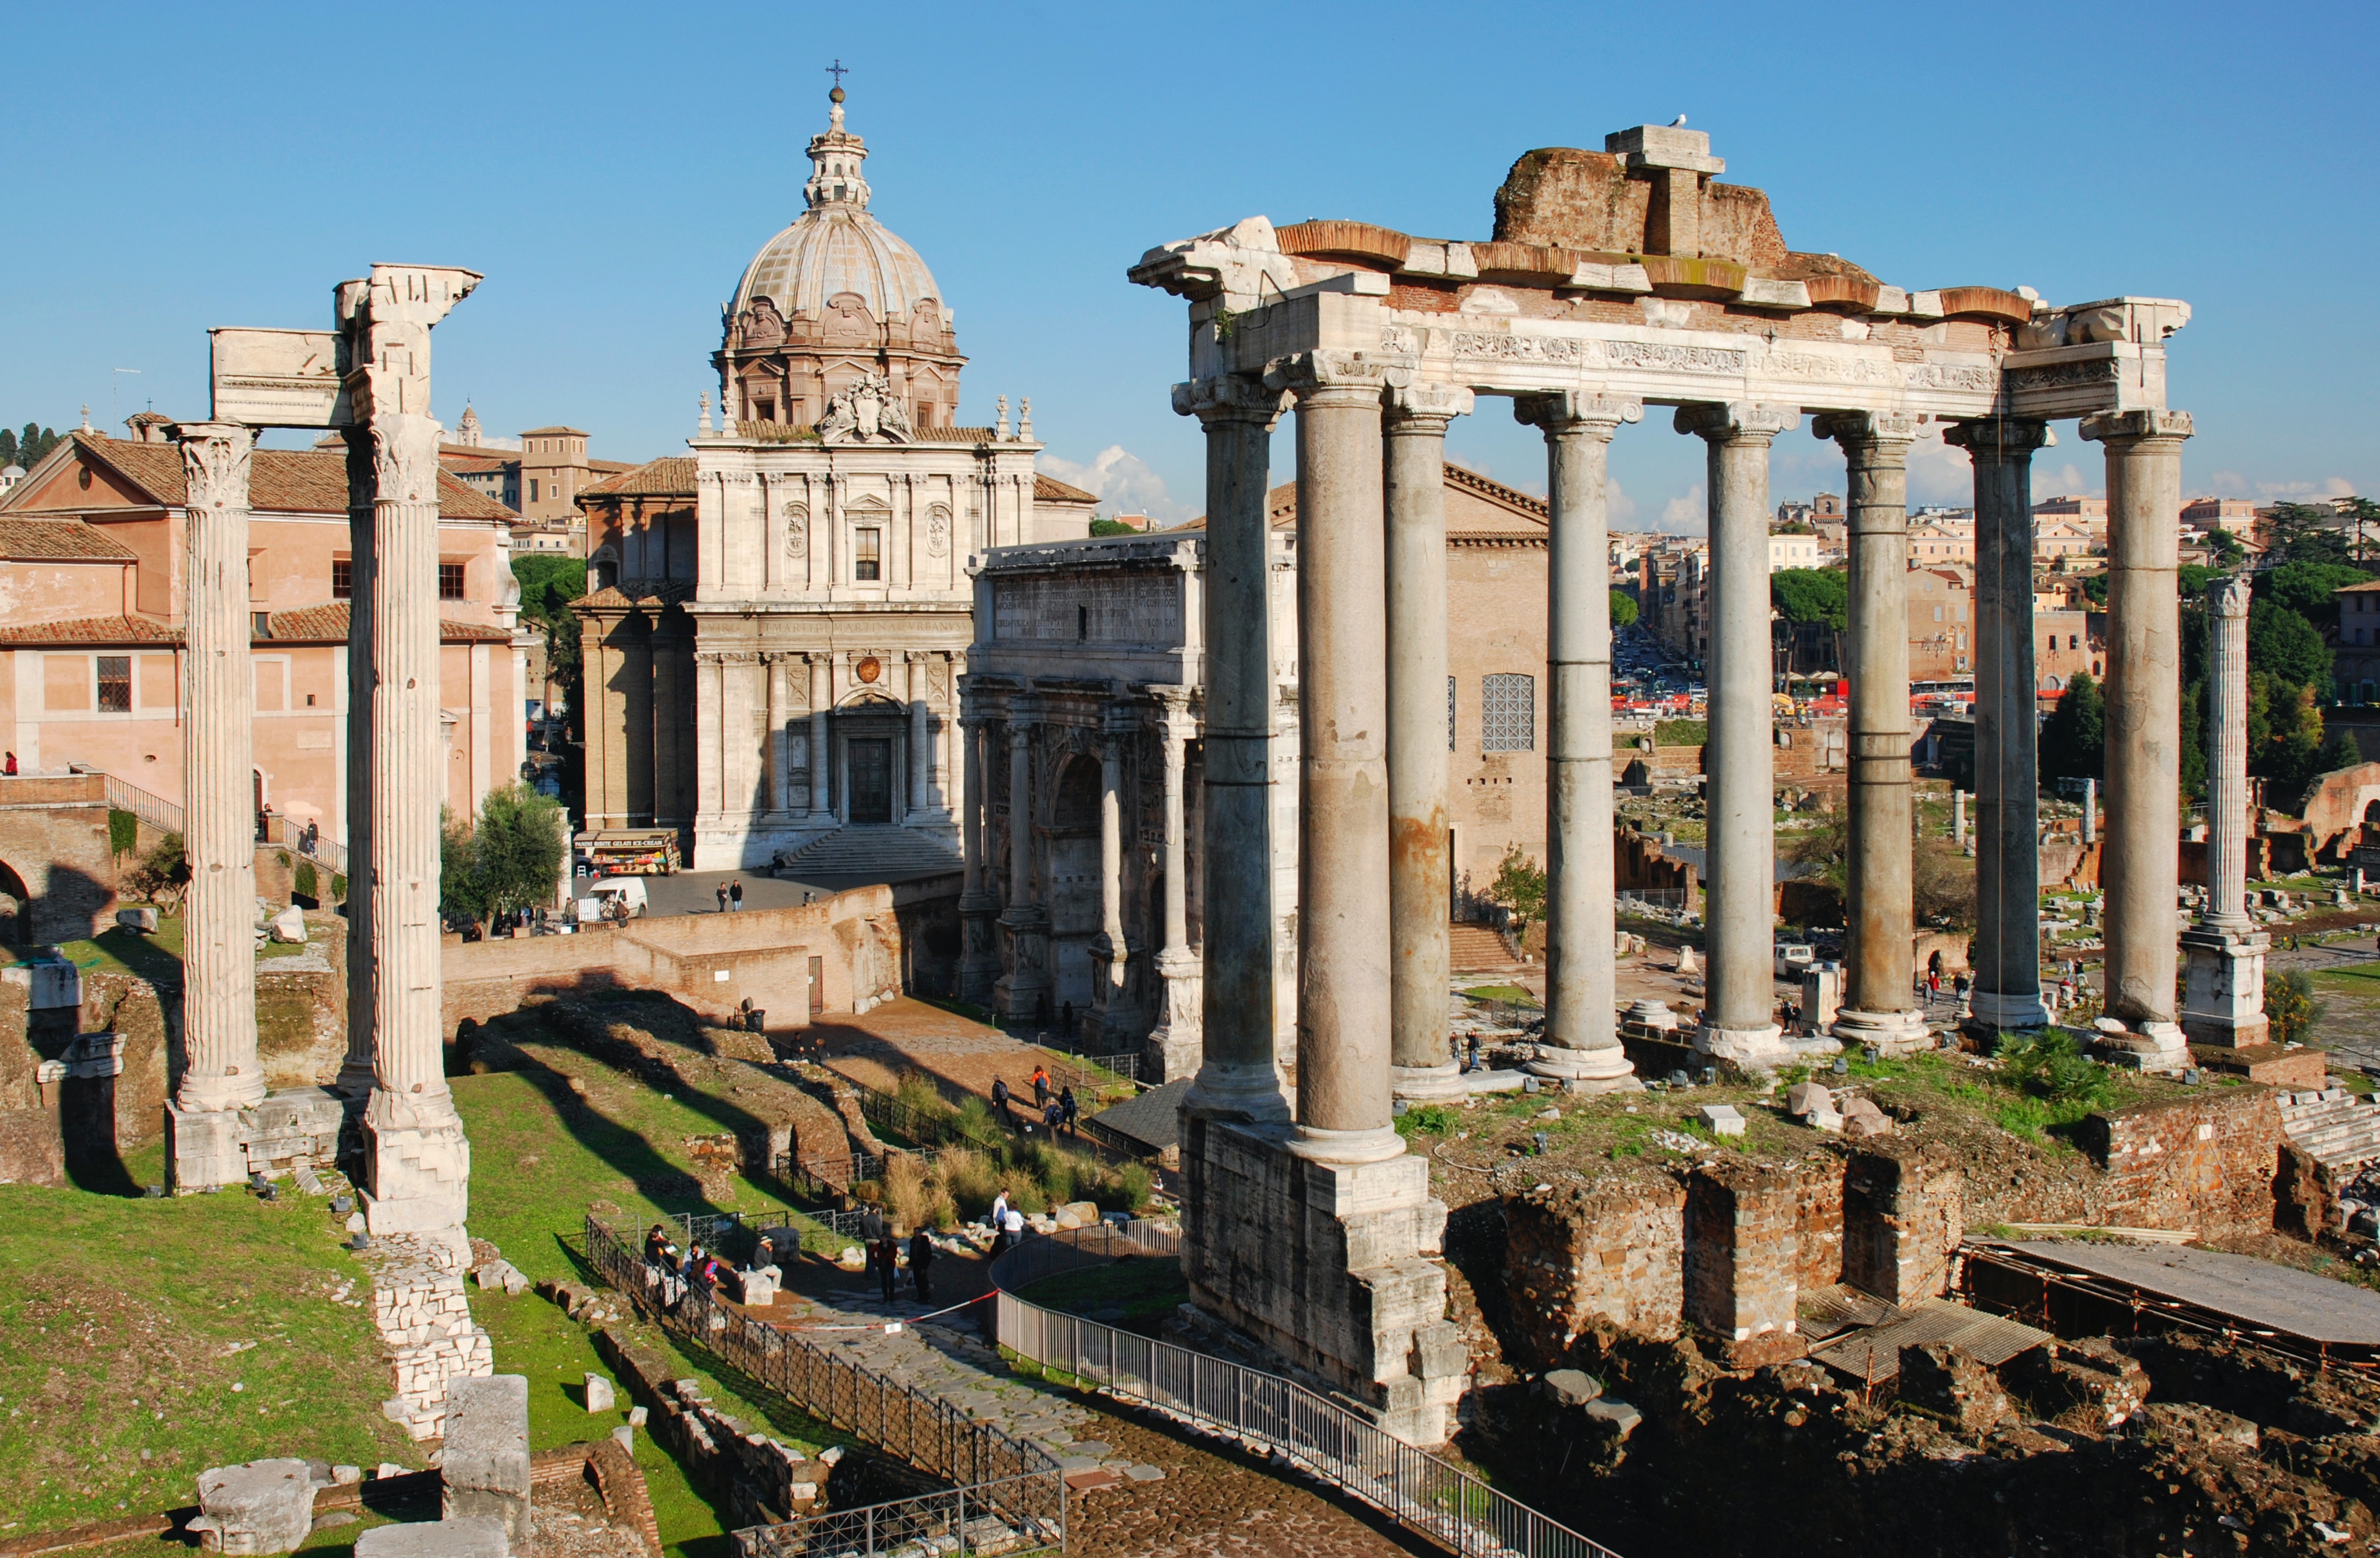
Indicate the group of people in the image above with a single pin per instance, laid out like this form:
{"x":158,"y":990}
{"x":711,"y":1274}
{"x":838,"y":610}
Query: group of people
{"x":731,"y":895}
{"x":1007,"y":1226}
{"x":1057,"y":1114}
{"x":701,"y":1268}
{"x":884,"y":1259}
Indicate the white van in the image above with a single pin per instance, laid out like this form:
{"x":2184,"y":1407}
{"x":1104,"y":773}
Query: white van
{"x":628,"y":891}
{"x":1794,"y":959}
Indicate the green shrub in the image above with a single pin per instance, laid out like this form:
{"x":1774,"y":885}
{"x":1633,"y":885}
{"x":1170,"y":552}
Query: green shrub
{"x":2054,"y":1070}
{"x":2290,"y":1004}
{"x":302,"y":881}
{"x":339,"y":887}
{"x":123,"y":832}
{"x":1131,"y":1185}
{"x":1427,"y":1119}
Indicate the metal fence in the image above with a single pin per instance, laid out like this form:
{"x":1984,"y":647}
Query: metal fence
{"x":937,"y":1437}
{"x":960,"y":1521}
{"x":155,"y":810}
{"x":1417,"y":1490}
{"x":1125,"y":1065}
{"x":280,"y":831}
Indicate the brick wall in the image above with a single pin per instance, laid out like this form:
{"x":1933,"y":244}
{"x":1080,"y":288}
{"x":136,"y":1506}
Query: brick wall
{"x":2204,"y":1161}
{"x":1741,"y":1256}
{"x":1608,"y":1255}
{"x":54,"y":840}
{"x":1904,"y":1212}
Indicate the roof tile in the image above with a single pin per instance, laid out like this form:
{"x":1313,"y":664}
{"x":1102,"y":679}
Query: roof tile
{"x":59,"y":540}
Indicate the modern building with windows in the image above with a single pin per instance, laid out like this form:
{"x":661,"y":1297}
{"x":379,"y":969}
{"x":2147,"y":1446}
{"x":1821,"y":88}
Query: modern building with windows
{"x":1082,"y":705}
{"x":777,"y":621}
{"x":92,"y":601}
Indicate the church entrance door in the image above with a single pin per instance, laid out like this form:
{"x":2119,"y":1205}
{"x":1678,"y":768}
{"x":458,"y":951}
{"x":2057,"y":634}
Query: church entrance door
{"x":871,"y":781}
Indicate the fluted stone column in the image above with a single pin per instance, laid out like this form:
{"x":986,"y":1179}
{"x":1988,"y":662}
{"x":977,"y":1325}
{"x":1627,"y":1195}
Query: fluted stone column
{"x":221,"y":1075}
{"x":1877,"y":1005}
{"x":1420,"y":880}
{"x":1173,"y":1049}
{"x":979,"y":956}
{"x":354,"y":1083}
{"x":1019,"y":993}
{"x":1237,"y":1076}
{"x":2223,"y":997}
{"x":1582,"y":1040}
{"x":1342,"y":877}
{"x":2139,"y":864}
{"x":2007,"y":846}
{"x":1739,"y":1005}
{"x":417,"y":1161}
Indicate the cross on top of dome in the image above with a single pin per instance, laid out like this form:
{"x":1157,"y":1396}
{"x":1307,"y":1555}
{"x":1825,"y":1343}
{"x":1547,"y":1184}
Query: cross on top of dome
{"x":835,"y":157}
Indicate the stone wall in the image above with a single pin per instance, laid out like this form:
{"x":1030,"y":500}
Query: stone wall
{"x":2205,"y":1162}
{"x":715,"y":962}
{"x":424,"y":1318}
{"x":1741,"y":1256}
{"x":1612,"y":1254}
{"x":54,"y":839}
{"x":760,"y":1480}
{"x":1904,"y":1213}
{"x":32,"y":1146}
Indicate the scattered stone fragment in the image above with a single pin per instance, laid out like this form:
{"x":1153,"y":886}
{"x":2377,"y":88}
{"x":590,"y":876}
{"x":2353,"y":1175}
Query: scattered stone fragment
{"x":599,"y":1395}
{"x":469,"y":1536}
{"x":1723,"y":1119}
{"x":1570,"y":1387}
{"x":257,"y":1507}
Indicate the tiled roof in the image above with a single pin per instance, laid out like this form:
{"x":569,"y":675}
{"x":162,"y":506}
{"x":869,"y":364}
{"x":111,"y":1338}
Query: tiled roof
{"x":92,"y":630}
{"x":1049,"y":489}
{"x":672,"y":476}
{"x":1510,"y":497}
{"x":543,"y":431}
{"x":611,"y":464}
{"x":59,"y":540}
{"x":279,"y":481}
{"x":327,"y":624}
{"x":638,"y":592}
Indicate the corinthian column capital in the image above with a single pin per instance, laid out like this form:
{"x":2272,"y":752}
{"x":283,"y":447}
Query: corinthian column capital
{"x":215,"y":459}
{"x":1736,"y":421}
{"x":2135,"y":427}
{"x":1867,"y":429}
{"x":1576,"y":411}
{"x":1231,"y":397}
{"x":2228,"y":597}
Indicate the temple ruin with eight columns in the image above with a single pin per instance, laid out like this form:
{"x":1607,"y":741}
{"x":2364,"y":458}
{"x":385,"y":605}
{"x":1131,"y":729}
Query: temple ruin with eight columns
{"x":1614,"y":282}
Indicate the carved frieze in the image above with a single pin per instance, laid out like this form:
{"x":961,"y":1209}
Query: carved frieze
{"x":797,"y":529}
{"x":938,"y":530}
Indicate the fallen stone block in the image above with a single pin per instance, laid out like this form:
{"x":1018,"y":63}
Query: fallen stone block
{"x":465,"y":1537}
{"x":637,"y":1416}
{"x":1616,"y":1417}
{"x":1808,"y":1098}
{"x":1076,"y":1214}
{"x":289,"y":926}
{"x":1570,"y":1387}
{"x":261,"y":1506}
{"x":600,"y":1395}
{"x":486,"y":1465}
{"x":626,"y":1438}
{"x":1722,"y":1119}
{"x":141,"y":919}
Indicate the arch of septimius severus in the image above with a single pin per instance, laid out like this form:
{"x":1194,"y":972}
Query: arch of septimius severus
{"x":1616,"y":282}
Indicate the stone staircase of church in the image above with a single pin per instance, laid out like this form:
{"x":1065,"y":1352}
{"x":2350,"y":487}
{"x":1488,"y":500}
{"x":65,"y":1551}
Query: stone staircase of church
{"x":2332,"y":1126}
{"x":854,"y":857}
{"x":1477,"y":949}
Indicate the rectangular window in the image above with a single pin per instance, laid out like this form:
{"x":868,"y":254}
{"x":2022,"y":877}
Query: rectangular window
{"x":533,"y":489}
{"x":450,"y":581}
{"x":115,"y":684}
{"x":1509,"y":713}
{"x":343,"y":580}
{"x":867,"y":556}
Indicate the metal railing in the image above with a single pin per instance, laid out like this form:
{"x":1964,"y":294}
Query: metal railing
{"x":1413,"y":1487}
{"x":155,"y":810}
{"x":937,"y":1437}
{"x":960,"y":1521}
{"x":1076,"y":1073}
{"x":278,"y":830}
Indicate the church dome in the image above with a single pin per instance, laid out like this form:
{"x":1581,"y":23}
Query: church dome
{"x":835,"y":246}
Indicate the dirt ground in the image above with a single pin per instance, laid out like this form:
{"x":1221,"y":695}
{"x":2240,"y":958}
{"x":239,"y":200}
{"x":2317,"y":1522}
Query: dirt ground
{"x":875,"y":1048}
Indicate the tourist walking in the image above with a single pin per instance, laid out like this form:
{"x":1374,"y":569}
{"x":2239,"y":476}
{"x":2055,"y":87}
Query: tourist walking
{"x":1041,"y":1087}
{"x":722,"y":897}
{"x":888,"y":1260}
{"x":1052,"y":1117}
{"x":735,"y":893}
{"x":921,"y":1257}
{"x":1066,"y":1109}
{"x":1000,"y":1102}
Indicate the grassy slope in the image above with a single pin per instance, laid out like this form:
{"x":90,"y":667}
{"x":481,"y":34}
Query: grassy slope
{"x":104,"y":1300}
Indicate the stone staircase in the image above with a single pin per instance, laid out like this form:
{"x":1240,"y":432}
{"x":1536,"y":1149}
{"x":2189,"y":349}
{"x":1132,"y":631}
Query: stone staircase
{"x":854,"y":857}
{"x":2336,"y":1127}
{"x":1476,"y":949}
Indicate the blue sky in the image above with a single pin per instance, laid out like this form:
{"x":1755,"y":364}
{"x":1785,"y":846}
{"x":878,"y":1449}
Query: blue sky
{"x":611,"y":168}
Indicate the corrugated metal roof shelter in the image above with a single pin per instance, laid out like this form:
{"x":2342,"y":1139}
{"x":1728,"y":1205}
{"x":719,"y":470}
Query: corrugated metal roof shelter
{"x":1152,"y":1121}
{"x":2273,"y":1302}
{"x":1873,"y":1356}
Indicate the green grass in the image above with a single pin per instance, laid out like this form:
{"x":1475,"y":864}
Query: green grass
{"x":2355,"y":979}
{"x":118,"y":950}
{"x":1147,"y":1289}
{"x":120,"y":1317}
{"x":1510,"y":993}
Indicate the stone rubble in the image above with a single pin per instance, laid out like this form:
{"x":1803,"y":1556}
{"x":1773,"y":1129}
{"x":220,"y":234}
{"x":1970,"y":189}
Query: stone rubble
{"x":424,"y":1318}
{"x":257,"y":1507}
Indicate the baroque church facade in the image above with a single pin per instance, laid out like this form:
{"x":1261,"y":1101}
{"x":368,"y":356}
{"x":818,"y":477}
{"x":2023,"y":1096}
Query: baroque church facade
{"x":777,"y":621}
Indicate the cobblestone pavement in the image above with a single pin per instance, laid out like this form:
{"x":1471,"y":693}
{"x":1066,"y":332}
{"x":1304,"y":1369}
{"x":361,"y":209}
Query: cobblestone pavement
{"x":1173,"y":1498}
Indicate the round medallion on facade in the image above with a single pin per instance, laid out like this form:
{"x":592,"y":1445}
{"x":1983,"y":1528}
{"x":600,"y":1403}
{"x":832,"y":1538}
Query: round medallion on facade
{"x":869,"y":668}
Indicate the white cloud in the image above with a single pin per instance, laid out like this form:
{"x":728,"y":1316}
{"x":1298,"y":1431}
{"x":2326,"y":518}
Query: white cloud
{"x":1687,"y":515}
{"x":2067,"y":480}
{"x":1620,"y":509}
{"x":1939,"y":474}
{"x":2334,"y":487}
{"x":1122,"y":481}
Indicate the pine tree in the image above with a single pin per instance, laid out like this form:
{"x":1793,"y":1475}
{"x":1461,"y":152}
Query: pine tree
{"x":2074,"y":739}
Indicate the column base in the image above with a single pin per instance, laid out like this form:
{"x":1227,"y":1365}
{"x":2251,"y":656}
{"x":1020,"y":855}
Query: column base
{"x":1237,"y":1090}
{"x":205,"y":1150}
{"x":1330,"y":1264}
{"x":1345,"y":1149}
{"x":417,"y":1168}
{"x":1890,"y":1034}
{"x":1603,"y":1069}
{"x":2151,"y":1045}
{"x":2223,"y":987}
{"x":1172,"y":1049}
{"x":1752,"y":1049}
{"x":1424,"y":1084}
{"x":1989,"y":1012}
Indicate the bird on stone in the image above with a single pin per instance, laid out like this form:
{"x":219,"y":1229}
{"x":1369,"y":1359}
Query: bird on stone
{"x":1678,"y":123}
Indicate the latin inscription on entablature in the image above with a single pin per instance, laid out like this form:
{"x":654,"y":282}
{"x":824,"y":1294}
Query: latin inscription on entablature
{"x":2064,"y":375}
{"x":1660,"y":357}
{"x":1131,"y":609}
